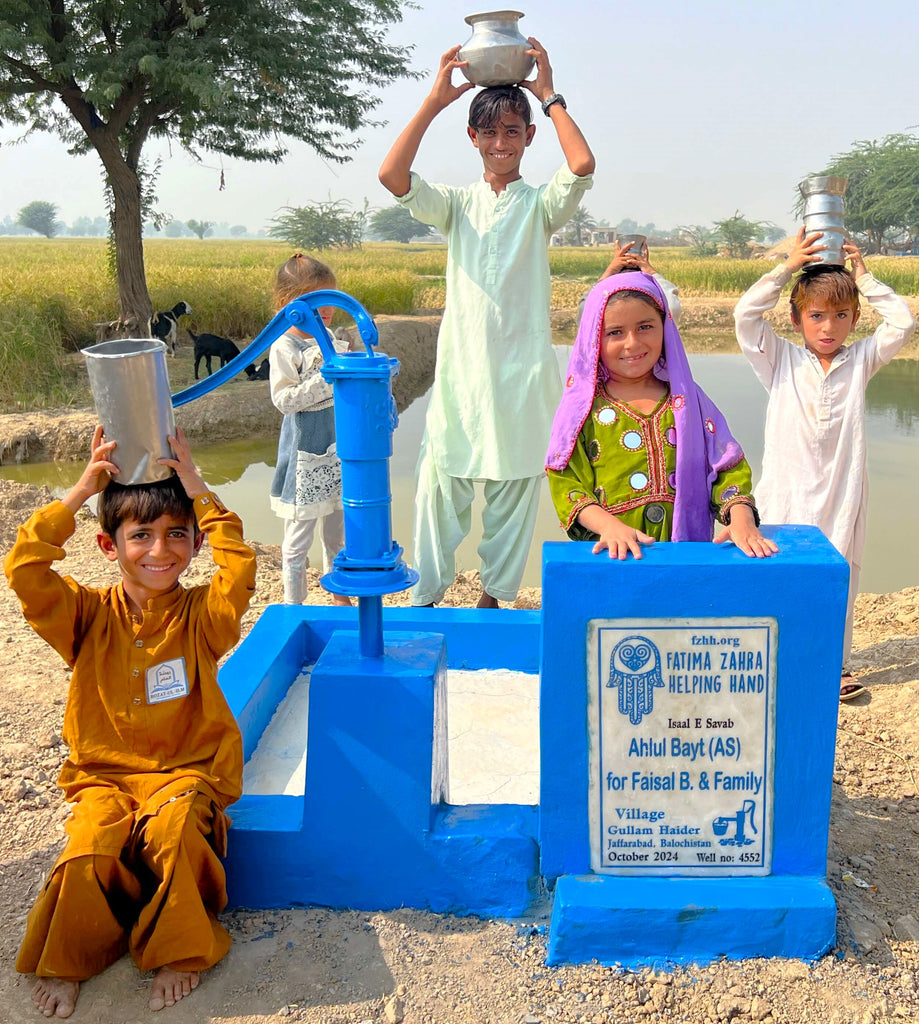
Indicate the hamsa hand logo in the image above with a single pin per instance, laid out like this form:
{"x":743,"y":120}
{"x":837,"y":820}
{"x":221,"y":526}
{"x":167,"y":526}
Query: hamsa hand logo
{"x":635,"y":667}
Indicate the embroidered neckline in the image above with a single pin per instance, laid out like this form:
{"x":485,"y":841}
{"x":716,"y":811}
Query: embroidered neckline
{"x":631,"y":410}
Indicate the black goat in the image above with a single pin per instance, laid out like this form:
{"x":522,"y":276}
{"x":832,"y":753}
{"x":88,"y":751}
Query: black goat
{"x":209,"y":345}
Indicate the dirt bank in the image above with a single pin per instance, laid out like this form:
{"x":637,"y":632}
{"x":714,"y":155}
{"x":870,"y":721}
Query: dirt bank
{"x":236,"y":410}
{"x":324,"y":967}
{"x":243,"y":409}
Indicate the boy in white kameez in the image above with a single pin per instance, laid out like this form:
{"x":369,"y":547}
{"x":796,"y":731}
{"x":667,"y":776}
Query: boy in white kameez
{"x":496,"y":384}
{"x":814,"y":463}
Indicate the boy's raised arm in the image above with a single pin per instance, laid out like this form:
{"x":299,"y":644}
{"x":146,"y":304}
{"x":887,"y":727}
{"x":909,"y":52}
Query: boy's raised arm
{"x":395,"y":171}
{"x":578,"y":155}
{"x":99,"y":470}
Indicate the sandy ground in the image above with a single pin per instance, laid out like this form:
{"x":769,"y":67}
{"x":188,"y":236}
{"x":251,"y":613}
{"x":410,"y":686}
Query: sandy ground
{"x":326,"y":967}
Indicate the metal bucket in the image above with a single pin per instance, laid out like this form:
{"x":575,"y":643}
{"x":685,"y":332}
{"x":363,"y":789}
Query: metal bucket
{"x":130,"y":387}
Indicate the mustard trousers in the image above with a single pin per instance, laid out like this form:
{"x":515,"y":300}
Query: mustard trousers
{"x":158,"y":897}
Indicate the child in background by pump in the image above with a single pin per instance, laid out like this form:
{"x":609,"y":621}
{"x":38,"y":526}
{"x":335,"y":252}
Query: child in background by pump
{"x":306,"y":488}
{"x":814,"y":462}
{"x":638,"y":452}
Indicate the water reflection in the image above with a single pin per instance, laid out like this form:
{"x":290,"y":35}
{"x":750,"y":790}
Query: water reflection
{"x":242,"y":470}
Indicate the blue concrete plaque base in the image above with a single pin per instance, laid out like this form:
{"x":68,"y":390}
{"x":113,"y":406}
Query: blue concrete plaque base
{"x":641,"y":922}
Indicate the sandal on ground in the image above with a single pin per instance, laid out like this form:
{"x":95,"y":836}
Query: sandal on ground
{"x":851,"y":687}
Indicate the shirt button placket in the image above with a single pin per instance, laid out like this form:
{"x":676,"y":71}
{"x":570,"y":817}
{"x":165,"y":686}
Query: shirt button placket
{"x":135,"y":674}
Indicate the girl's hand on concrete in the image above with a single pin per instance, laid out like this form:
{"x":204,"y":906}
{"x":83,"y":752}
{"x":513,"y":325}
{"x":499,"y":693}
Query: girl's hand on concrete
{"x":744,"y":533}
{"x":805,"y":250}
{"x":619,"y":540}
{"x":98,"y":472}
{"x":444,"y":92}
{"x":185,"y":469}
{"x":854,"y":256}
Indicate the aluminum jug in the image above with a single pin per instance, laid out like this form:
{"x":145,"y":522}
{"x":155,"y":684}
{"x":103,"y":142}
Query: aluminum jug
{"x":496,"y":51}
{"x":824,"y":210}
{"x":130,"y":387}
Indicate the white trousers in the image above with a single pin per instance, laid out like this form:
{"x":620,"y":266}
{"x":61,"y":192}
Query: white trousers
{"x":854,"y":571}
{"x":443,"y":516}
{"x":298,"y":537}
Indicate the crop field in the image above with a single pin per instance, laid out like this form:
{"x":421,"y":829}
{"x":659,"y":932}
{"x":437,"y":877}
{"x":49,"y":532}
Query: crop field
{"x":54,"y":291}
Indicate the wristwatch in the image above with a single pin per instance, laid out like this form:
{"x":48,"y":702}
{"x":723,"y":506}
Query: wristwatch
{"x":556,"y":97}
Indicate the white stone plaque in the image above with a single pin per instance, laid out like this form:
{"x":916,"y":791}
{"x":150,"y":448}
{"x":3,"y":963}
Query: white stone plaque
{"x":681,"y":716}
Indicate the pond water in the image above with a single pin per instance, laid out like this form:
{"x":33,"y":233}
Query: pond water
{"x":241,"y":471}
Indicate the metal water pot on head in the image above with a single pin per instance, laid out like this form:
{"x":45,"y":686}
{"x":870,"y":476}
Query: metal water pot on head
{"x":639,"y":244}
{"x":824,"y":210}
{"x":130,"y":387}
{"x":496,"y":50}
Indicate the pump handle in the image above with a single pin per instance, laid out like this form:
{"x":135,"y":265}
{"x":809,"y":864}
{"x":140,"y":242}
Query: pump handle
{"x":301,"y":313}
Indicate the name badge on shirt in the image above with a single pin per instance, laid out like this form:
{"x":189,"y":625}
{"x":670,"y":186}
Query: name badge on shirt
{"x":167,"y":681}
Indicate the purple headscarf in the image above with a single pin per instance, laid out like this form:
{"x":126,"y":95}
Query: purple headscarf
{"x":704,"y":444}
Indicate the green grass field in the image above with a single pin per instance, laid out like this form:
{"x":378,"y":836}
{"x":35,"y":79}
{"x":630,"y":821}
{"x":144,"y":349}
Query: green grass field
{"x":54,"y":291}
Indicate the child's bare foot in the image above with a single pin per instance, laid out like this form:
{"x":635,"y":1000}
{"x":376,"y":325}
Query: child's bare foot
{"x":487,"y":601}
{"x":342,"y":600}
{"x":169,"y":986}
{"x":54,"y":997}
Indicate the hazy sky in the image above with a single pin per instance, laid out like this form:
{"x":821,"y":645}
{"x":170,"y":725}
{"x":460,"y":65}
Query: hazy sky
{"x":693,"y":110}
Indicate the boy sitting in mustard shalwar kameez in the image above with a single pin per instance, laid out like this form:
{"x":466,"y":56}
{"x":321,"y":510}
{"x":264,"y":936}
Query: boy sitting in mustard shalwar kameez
{"x":155,"y":753}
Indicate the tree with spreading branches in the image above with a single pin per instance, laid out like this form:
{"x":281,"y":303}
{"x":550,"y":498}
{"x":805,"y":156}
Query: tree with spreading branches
{"x":201,"y":228}
{"x":882,"y":198}
{"x":39,"y":216}
{"x":235,"y":77}
{"x":396,"y":224}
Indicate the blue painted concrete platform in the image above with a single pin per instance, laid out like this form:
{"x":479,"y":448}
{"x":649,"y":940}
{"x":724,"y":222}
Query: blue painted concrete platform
{"x":372,"y":831}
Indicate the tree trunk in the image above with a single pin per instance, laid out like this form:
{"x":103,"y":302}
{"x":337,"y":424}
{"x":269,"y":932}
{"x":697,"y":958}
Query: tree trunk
{"x":134,"y":304}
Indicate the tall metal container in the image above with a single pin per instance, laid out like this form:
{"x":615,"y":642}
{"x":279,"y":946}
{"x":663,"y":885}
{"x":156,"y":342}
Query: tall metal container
{"x":130,"y":387}
{"x":824,"y":210}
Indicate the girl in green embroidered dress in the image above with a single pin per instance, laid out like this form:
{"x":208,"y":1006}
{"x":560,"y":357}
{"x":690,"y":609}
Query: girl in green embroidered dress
{"x":630,"y":404}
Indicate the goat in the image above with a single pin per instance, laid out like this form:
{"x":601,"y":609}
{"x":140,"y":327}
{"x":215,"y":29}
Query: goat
{"x":261,"y":373}
{"x":163,"y":325}
{"x":209,"y":345}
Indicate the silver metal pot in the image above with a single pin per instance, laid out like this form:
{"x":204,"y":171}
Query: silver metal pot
{"x":130,"y":387}
{"x":824,"y":210}
{"x":496,"y":50}
{"x":639,"y":244}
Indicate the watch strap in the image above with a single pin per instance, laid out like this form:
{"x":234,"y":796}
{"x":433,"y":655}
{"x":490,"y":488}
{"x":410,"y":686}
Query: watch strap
{"x":555,"y":97}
